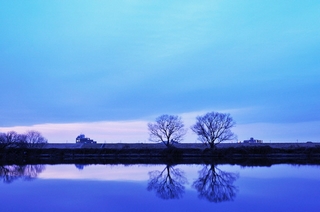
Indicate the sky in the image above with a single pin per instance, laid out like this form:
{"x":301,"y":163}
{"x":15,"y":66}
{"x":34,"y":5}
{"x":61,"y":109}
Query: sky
{"x":107,"y":68}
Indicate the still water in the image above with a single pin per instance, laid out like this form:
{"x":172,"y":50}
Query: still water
{"x":159,"y":188}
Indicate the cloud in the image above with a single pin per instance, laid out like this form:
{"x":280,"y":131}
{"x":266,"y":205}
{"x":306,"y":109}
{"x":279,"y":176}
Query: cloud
{"x":109,"y":132}
{"x":279,"y":132}
{"x":136,"y":131}
{"x":93,"y":62}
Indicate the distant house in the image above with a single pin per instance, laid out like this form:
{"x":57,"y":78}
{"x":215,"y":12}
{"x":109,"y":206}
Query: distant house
{"x":252,"y":140}
{"x":82,"y":139}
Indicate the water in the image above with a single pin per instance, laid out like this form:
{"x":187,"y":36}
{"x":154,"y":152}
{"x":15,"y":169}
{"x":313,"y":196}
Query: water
{"x":159,"y":188}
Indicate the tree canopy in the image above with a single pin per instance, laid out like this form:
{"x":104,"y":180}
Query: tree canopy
{"x":168,"y":129}
{"x":29,"y":139}
{"x":213,"y":128}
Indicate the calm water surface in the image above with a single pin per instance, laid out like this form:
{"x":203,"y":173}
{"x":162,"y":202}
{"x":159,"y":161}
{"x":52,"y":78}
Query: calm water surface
{"x":159,"y":187}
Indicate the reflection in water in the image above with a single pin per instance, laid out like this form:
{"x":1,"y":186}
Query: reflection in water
{"x":9,"y":173}
{"x":168,"y":183}
{"x":80,"y":166}
{"x":215,"y":185}
{"x":118,"y":188}
{"x":212,"y":184}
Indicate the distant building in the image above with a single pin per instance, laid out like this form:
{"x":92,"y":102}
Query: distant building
{"x":82,"y":139}
{"x":252,"y":140}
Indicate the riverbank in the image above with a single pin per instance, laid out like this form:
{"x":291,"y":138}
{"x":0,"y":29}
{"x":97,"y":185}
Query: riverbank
{"x":179,"y":145}
{"x":231,"y":153}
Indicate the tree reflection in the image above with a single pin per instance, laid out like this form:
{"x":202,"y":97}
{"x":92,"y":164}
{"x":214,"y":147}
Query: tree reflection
{"x":9,"y":173}
{"x":80,"y":166}
{"x":216,"y":185}
{"x":168,"y":183}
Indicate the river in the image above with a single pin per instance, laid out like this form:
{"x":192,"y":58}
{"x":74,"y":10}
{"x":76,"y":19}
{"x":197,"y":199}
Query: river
{"x":210,"y":187}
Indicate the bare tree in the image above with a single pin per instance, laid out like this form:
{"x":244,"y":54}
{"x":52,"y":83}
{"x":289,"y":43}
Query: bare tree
{"x":34,"y":138}
{"x":213,"y":128}
{"x":13,"y":139}
{"x":167,"y":129}
{"x":216,"y":185}
{"x":3,"y":141}
{"x":168,"y":183}
{"x":9,"y":139}
{"x":22,"y":139}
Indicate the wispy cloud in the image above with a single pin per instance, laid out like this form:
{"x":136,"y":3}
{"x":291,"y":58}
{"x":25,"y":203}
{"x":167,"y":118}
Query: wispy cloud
{"x":136,"y":131}
{"x":110,"y":132}
{"x":106,"y":62}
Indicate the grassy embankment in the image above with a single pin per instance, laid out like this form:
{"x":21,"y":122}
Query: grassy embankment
{"x":241,"y":154}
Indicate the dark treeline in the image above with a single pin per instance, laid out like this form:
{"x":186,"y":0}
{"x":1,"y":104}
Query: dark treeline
{"x":30,"y":148}
{"x":246,"y":156}
{"x":13,"y":139}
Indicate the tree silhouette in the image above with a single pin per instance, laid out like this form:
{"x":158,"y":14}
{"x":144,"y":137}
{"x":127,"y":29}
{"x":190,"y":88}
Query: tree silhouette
{"x":167,"y":129}
{"x":214,"y":128}
{"x":30,"y":139}
{"x":10,"y":139}
{"x":168,"y":183}
{"x":10,"y":173}
{"x":215,"y":185}
{"x":34,"y":138}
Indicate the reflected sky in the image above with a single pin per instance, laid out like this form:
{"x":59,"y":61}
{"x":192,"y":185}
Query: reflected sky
{"x":127,"y":188}
{"x":136,"y":172}
{"x":109,"y":172}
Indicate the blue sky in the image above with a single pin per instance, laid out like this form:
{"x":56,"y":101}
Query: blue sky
{"x":70,"y":62}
